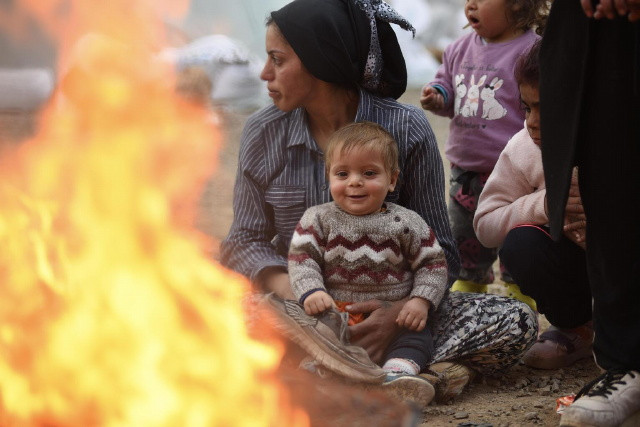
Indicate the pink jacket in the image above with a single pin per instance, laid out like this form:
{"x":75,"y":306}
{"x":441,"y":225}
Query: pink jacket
{"x":514,"y":193}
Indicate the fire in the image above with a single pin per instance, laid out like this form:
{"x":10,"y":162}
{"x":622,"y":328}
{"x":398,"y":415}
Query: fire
{"x":110,"y":311}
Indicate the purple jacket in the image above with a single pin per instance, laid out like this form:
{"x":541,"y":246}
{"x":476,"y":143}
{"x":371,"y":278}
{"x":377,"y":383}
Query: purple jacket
{"x":481,"y":97}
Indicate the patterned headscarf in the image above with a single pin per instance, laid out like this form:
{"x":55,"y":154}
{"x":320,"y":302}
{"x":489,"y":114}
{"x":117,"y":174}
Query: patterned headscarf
{"x":378,"y":10}
{"x":347,"y":42}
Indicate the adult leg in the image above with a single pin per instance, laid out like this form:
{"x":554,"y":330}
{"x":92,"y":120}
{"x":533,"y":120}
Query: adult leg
{"x":607,"y":159}
{"x":608,"y":162}
{"x":488,"y":333}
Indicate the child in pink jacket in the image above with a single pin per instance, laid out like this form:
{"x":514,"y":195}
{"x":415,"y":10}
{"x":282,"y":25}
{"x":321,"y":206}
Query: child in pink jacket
{"x":512,"y":216}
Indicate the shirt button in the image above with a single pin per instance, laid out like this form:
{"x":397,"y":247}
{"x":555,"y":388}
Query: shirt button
{"x":396,"y":219}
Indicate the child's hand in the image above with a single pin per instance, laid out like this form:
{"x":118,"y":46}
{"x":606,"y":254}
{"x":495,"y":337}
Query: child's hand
{"x":318,"y":302}
{"x":431,"y":99}
{"x":575,"y":230}
{"x":414,"y":314}
{"x":575,"y":221}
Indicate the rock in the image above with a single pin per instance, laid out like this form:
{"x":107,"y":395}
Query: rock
{"x":531,"y":416}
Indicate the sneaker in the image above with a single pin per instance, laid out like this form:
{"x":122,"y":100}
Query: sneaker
{"x":325,"y":338}
{"x":613,"y":399}
{"x":558,"y":348}
{"x":449,"y":379}
{"x":409,"y":388}
{"x":514,"y":291}
{"x":468,"y":286}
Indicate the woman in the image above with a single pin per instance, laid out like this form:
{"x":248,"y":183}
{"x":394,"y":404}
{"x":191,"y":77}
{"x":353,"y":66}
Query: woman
{"x":333,"y":62}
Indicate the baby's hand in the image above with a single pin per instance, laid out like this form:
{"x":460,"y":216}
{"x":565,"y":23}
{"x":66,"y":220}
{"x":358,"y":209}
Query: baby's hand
{"x":431,"y":99}
{"x":318,"y":302}
{"x":414,"y":314}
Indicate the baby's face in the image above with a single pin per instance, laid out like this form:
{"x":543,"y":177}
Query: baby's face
{"x":530,"y":99}
{"x":359,"y":181}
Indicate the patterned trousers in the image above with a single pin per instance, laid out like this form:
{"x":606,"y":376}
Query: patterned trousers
{"x":488,"y":333}
{"x":476,"y":261}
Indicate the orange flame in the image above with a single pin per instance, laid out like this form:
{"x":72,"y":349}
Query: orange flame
{"x":110,"y":313}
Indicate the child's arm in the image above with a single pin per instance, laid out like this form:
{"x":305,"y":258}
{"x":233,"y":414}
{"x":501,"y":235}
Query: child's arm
{"x":431,"y":98}
{"x":426,"y":259}
{"x":318,"y":302}
{"x":414,"y":314}
{"x":306,"y":255}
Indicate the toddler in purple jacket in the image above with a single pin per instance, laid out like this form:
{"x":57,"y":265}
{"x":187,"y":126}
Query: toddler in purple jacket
{"x":475,"y":87}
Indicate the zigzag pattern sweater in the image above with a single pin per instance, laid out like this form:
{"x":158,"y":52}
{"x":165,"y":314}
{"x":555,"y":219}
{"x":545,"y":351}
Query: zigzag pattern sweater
{"x":386,"y":255}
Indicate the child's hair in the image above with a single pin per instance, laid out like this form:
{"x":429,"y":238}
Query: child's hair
{"x":363,"y":135}
{"x":529,"y":13}
{"x":527,"y":70}
{"x":194,"y":85}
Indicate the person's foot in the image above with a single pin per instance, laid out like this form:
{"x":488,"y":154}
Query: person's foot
{"x":612,"y":399}
{"x":558,"y":348}
{"x":324,"y":338}
{"x":514,"y":291}
{"x":449,"y":379}
{"x":468,"y":286}
{"x":409,"y":388}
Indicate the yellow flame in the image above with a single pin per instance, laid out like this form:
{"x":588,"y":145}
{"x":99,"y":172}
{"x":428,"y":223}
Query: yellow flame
{"x":110,"y":313}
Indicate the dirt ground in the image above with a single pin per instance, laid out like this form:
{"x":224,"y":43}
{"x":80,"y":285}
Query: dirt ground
{"x":522,"y":397}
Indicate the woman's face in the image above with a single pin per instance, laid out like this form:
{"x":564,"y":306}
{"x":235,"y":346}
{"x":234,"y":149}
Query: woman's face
{"x":289,"y":83}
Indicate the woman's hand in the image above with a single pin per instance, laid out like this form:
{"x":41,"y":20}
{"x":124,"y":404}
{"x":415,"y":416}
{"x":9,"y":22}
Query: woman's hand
{"x":414,"y":314}
{"x":611,"y":8}
{"x":318,"y":302}
{"x":431,"y":99}
{"x":376,"y":332}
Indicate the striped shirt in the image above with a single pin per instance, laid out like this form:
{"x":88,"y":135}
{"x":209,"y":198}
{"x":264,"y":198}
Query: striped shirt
{"x":281,"y":174}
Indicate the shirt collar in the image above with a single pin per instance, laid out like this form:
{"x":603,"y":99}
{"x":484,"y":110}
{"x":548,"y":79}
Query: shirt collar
{"x":299,"y":130}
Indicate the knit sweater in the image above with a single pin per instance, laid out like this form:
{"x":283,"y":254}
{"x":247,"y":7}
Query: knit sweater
{"x":386,"y":255}
{"x":514,"y":193}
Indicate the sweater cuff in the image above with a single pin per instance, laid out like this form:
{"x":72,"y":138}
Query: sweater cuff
{"x":306,"y":294}
{"x":443,"y":92}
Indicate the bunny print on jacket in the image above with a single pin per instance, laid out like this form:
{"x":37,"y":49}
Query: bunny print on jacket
{"x":481,"y":97}
{"x":491,"y":108}
{"x":470,"y":107}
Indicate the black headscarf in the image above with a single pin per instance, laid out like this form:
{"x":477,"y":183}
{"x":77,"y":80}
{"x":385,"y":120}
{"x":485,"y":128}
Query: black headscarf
{"x":347,"y":42}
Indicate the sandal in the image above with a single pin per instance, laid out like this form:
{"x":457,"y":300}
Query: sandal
{"x":558,"y":348}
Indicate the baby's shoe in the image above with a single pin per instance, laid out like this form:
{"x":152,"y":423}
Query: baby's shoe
{"x":468,"y":286}
{"x":413,"y":389}
{"x":558,"y":348}
{"x":514,"y":291}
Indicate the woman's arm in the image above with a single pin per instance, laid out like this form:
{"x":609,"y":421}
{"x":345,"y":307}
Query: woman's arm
{"x":423,"y":187}
{"x":247,"y":249}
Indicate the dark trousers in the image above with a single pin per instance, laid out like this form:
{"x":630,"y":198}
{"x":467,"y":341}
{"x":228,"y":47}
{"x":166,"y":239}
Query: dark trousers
{"x":416,"y":346}
{"x":590,"y":117}
{"x":554,"y":273}
{"x":608,"y":163}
